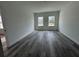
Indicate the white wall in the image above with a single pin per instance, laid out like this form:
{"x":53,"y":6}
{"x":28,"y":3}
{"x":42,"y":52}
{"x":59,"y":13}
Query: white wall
{"x":18,"y":22}
{"x":69,"y":21}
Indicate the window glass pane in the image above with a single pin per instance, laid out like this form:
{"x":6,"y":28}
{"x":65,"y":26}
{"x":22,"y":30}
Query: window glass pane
{"x":51,"y":21}
{"x":40,"y":21}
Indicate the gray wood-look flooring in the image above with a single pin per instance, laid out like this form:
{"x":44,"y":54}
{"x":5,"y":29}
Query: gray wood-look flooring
{"x":45,"y":44}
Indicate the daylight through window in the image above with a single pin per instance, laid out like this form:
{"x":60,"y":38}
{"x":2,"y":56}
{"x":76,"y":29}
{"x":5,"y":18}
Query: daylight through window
{"x":40,"y":21}
{"x":51,"y":21}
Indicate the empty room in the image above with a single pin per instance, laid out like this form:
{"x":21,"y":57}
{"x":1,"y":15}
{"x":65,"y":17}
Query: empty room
{"x":39,"y":28}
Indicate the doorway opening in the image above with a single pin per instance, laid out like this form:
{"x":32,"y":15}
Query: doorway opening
{"x":2,"y":36}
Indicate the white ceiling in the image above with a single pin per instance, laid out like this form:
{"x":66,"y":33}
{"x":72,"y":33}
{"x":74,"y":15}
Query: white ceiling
{"x":37,"y":6}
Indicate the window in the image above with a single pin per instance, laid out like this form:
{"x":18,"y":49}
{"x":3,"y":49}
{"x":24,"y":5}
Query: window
{"x":51,"y":21}
{"x":40,"y":21}
{"x":46,"y":20}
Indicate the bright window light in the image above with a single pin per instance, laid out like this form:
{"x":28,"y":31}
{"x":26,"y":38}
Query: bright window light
{"x":51,"y":21}
{"x":40,"y":21}
{"x":1,"y":25}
